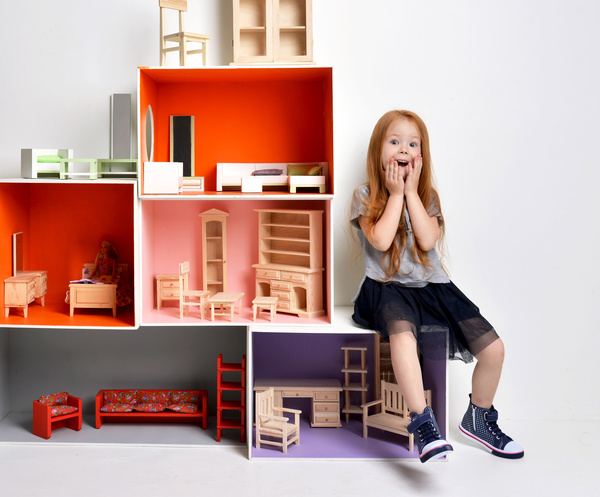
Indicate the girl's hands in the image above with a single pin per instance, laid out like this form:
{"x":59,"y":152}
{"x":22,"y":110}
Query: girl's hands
{"x":411,"y":184}
{"x":393,"y":178}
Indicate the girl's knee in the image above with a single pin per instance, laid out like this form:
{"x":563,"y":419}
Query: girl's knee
{"x":494,"y":352}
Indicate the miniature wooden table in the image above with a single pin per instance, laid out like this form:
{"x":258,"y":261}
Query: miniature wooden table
{"x":226,"y":302}
{"x":264,"y":303}
{"x":323,"y":392}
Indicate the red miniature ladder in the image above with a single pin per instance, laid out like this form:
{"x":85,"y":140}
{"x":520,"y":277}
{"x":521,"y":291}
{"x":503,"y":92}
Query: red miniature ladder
{"x":225,"y":404}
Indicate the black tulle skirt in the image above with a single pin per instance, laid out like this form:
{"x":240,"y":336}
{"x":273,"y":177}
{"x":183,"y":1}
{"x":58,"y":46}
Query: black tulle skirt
{"x":445,"y":323}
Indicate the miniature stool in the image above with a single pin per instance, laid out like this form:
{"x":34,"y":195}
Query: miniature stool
{"x":269,"y":303}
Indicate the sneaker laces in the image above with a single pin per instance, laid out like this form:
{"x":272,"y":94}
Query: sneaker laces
{"x":428,"y":433}
{"x":495,"y":429}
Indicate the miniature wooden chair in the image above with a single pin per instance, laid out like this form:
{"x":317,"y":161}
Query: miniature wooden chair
{"x":268,"y":424}
{"x":56,"y":411}
{"x":187,"y":297}
{"x":394,"y":415}
{"x":181,"y":38}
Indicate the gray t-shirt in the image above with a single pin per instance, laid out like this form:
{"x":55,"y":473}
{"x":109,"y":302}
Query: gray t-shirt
{"x":412,"y":273}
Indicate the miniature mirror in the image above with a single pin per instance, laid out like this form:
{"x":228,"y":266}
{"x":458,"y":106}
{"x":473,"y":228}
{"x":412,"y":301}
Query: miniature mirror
{"x":149,"y":135}
{"x":17,"y":255}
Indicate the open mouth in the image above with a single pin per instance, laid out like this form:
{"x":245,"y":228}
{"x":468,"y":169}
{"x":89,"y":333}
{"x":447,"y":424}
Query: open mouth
{"x":402,"y":163}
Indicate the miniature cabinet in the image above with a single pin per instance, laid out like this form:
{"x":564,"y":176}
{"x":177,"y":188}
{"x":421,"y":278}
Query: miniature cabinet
{"x":167,"y":288}
{"x":214,"y":251}
{"x":23,"y":289}
{"x":272,"y":31}
{"x":290,"y":263}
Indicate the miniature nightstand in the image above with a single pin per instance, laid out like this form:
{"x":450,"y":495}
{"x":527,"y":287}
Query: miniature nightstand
{"x":167,"y":288}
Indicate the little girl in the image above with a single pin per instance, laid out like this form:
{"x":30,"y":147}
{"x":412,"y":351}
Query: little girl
{"x":407,"y":297}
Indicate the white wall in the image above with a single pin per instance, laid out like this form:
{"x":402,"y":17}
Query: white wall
{"x":508,"y":89}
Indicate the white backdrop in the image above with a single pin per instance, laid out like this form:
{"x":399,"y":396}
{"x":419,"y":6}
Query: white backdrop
{"x":508,"y":90}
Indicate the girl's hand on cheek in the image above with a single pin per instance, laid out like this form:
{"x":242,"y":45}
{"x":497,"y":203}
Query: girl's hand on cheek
{"x":393,"y":178}
{"x":414,"y":173}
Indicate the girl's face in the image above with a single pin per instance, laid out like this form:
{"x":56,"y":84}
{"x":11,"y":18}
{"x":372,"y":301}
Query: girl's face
{"x":402,"y":143}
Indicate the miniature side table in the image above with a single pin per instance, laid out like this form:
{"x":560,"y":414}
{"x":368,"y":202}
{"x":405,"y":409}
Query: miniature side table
{"x":226,"y":302}
{"x":269,"y":303}
{"x":23,"y":289}
{"x":167,"y":288}
{"x":64,"y":168}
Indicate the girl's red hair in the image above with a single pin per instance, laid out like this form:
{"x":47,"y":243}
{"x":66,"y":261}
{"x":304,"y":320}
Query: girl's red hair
{"x":379,"y":194}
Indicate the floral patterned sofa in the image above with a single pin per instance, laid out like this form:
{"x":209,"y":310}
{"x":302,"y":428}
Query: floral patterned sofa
{"x":187,"y":406}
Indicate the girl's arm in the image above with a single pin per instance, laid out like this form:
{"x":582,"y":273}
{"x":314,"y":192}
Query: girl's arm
{"x":425,"y":227}
{"x":382,"y":234}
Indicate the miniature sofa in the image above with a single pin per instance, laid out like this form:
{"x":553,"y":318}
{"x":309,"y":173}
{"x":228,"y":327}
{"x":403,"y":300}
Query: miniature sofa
{"x":232,"y":176}
{"x":37,"y":162}
{"x":178,"y":406}
{"x":56,"y":411}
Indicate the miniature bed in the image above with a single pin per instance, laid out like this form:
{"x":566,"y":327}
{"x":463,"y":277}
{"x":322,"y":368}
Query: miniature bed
{"x":37,"y":162}
{"x":253,"y":177}
{"x":95,"y":295}
{"x":178,"y":406}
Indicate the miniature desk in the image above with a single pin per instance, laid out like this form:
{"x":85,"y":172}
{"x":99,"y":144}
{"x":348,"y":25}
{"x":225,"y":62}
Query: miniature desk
{"x":167,"y":288}
{"x":96,"y":168}
{"x":23,"y":289}
{"x":324,"y":392}
{"x":226,"y":302}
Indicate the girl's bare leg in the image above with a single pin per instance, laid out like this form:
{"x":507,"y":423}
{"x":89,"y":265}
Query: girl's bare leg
{"x":486,"y":375}
{"x":407,"y":370}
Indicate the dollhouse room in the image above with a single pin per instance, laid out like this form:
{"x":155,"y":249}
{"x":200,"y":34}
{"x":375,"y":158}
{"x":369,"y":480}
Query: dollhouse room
{"x":177,"y":260}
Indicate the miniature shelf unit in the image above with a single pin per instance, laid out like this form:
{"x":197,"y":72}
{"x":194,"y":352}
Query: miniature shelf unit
{"x":272,"y":31}
{"x":214,"y":251}
{"x":290,"y":263}
{"x":354,"y":371}
{"x":227,"y":386}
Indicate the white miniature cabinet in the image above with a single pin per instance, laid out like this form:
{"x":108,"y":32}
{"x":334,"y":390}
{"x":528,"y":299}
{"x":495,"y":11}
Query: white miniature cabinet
{"x":214,"y":251}
{"x":272,"y":31}
{"x":290,"y":263}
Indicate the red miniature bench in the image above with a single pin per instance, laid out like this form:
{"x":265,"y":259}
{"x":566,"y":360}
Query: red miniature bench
{"x":56,"y":411}
{"x":177,"y":406}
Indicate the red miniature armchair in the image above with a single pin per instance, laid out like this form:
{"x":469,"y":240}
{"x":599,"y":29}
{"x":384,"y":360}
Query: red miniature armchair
{"x":56,"y":411}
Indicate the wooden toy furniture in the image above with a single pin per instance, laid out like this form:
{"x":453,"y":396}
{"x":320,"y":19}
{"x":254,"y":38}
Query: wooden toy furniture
{"x":214,"y":251}
{"x":354,"y":371}
{"x":181,"y":38}
{"x":56,"y":411}
{"x":167,"y":288}
{"x":36,"y":162}
{"x":272,"y":31}
{"x":223,"y":304}
{"x":394,"y":415}
{"x":290,"y":266}
{"x":154,"y":406}
{"x":187,"y":297}
{"x":272,"y":176}
{"x":271,"y":423}
{"x":22,"y":289}
{"x":96,"y":295}
{"x":323,"y":392}
{"x":227,"y":387}
{"x":267,"y":303}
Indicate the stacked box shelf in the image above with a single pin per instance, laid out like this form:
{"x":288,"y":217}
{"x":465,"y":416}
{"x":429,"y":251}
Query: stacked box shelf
{"x":237,"y":405}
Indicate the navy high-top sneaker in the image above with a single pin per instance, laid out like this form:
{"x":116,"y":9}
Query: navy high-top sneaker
{"x":427,"y":435}
{"x":481,"y":424}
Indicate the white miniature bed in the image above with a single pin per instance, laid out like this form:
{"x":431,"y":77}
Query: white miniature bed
{"x":253,"y":177}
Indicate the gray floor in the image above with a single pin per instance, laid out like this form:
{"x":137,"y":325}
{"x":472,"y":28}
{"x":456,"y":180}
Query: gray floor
{"x":561,"y":459}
